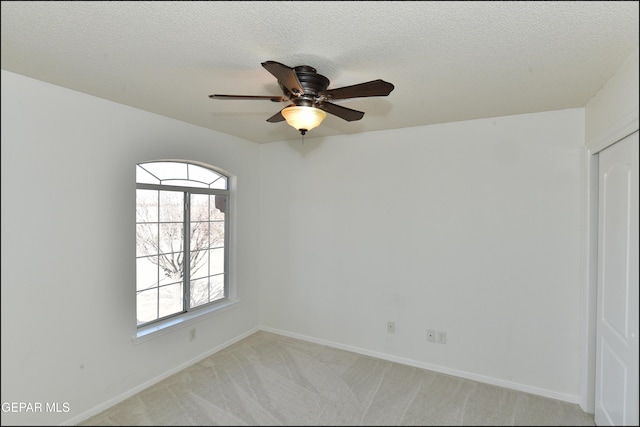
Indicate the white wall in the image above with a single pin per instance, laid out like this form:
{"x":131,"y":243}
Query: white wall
{"x":68,"y":247}
{"x":473,"y":228}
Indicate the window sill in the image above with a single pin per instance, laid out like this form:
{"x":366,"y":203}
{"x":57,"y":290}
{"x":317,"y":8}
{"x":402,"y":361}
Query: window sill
{"x":155,"y":330}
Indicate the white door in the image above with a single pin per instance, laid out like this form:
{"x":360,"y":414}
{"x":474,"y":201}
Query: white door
{"x":617,"y":307}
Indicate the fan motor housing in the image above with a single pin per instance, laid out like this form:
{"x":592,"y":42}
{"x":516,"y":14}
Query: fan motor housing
{"x":312,"y":82}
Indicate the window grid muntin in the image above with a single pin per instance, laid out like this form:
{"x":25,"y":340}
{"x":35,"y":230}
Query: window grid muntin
{"x":190,"y":172}
{"x":211,"y":278}
{"x":187,"y":191}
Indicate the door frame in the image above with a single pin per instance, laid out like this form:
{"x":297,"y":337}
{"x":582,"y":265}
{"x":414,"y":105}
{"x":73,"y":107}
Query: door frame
{"x":590,"y":290}
{"x":590,"y":264}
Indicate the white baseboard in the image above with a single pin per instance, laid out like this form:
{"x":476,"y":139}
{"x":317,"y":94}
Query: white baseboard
{"x":409,"y":362}
{"x":109,"y":403}
{"x":436,"y":368}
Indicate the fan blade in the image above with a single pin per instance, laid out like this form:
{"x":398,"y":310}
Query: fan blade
{"x":372,"y":88}
{"x":272,"y":98}
{"x":345,"y":113}
{"x":285,"y":75}
{"x":277,"y":117}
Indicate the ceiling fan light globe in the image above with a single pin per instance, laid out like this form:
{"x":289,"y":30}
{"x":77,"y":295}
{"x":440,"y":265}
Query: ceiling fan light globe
{"x":300,"y":117}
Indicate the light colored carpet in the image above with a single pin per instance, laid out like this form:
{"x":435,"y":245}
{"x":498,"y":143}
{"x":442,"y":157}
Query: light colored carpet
{"x":269,"y":379}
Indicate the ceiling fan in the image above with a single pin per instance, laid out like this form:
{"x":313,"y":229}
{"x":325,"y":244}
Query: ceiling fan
{"x":310,"y":99}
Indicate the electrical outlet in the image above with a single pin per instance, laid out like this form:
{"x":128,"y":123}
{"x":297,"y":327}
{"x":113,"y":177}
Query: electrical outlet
{"x":192,"y":334}
{"x":431,"y":335}
{"x":391,"y":327}
{"x":442,"y":337}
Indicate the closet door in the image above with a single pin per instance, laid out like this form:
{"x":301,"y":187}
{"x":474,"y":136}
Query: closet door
{"x":617,"y":307}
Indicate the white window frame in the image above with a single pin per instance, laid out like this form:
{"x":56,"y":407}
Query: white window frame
{"x":192,"y":315}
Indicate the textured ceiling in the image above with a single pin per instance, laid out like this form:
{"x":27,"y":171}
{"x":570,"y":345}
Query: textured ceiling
{"x":449,"y":61}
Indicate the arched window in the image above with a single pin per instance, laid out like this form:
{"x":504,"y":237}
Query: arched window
{"x":182,"y":248}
